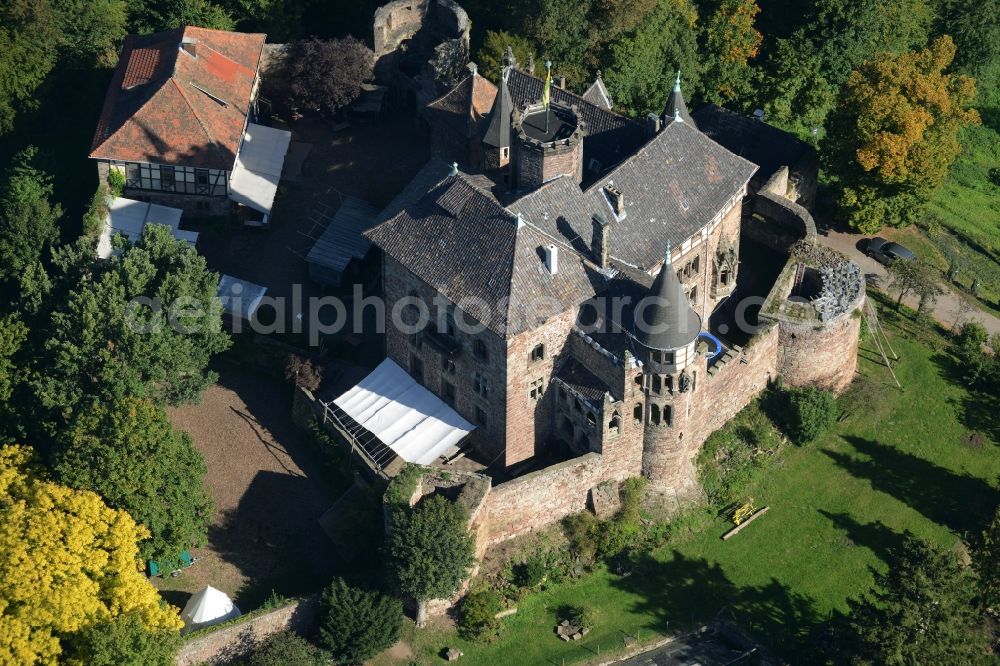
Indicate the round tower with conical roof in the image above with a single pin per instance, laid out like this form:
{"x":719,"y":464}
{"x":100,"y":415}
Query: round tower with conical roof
{"x":664,"y":332}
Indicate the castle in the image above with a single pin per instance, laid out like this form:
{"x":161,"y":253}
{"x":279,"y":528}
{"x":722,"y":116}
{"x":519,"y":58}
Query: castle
{"x":585,"y":269}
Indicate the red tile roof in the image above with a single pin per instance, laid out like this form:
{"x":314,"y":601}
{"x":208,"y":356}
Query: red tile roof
{"x":167,"y":106}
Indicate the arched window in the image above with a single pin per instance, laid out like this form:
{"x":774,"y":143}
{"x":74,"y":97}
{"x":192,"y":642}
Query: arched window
{"x":591,"y":420}
{"x":654,"y":414}
{"x":657,"y":385}
{"x":668,"y":415}
{"x":637,"y":412}
{"x":615,"y":424}
{"x":638,"y":380}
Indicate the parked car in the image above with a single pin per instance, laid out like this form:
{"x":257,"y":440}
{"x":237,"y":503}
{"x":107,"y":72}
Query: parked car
{"x":886,"y":252}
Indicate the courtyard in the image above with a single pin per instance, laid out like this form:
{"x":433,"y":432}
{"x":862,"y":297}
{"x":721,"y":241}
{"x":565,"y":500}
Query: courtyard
{"x":268,"y":492}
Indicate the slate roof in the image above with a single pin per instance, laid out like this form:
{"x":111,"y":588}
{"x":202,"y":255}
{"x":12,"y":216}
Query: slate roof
{"x":609,"y":137}
{"x":166,"y":106}
{"x":762,"y":144}
{"x":497,"y":132}
{"x":581,"y":380}
{"x":463,"y":243}
{"x":665,"y":319}
{"x":464,"y":108}
{"x":675,"y":105}
{"x":598,"y":95}
{"x":673,"y":186}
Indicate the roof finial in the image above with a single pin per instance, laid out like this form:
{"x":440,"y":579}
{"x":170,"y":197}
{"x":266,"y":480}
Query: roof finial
{"x":677,"y":82}
{"x":666,"y":260}
{"x":598,"y":73}
{"x":454,"y":169}
{"x":677,"y":116}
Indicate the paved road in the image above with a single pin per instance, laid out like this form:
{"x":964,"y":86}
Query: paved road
{"x":709,"y":649}
{"x":949,"y":306}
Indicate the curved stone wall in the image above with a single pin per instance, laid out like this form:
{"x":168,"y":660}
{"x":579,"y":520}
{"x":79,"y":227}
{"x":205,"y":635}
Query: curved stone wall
{"x":823,"y":355}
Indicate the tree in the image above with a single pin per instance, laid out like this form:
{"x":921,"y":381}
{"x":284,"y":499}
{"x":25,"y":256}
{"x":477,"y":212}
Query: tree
{"x":83,"y":564}
{"x":29,"y":36}
{"x":731,"y":41}
{"x":923,"y":610}
{"x":29,"y":221}
{"x":894,"y":134}
{"x":811,"y":412}
{"x":326,"y":75}
{"x":912,"y":277}
{"x":642,"y":65}
{"x":357,"y":624}
{"x":156,"y":15}
{"x":430,"y":550}
{"x":13,"y":334}
{"x":126,"y":451}
{"x":986,"y":558}
{"x":478,"y":615}
{"x":91,"y":30}
{"x":975,"y":27}
{"x":564,"y":34}
{"x":144,"y":323}
{"x":286,"y":649}
{"x":799,"y":96}
{"x":125,"y":641}
{"x":489,"y":58}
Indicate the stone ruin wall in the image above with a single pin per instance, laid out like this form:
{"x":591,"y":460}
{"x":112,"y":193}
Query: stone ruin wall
{"x":822,"y":355}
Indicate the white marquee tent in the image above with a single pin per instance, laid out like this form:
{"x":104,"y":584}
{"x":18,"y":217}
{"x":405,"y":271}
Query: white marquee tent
{"x":208,"y":607}
{"x":130,"y":217}
{"x":254,"y":180}
{"x":405,"y":416}
{"x":240,"y":298}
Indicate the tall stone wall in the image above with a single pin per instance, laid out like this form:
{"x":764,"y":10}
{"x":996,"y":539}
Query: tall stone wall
{"x":825,"y":356}
{"x":541,"y":498}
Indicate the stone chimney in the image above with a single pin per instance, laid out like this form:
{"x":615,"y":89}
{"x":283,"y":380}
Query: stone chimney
{"x":599,"y":244}
{"x":653,"y":123}
{"x":552,"y":259}
{"x":559,"y":81}
{"x":529,"y":67}
{"x":616,"y":198}
{"x":190,"y":45}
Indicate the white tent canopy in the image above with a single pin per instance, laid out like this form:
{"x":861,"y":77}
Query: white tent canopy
{"x":405,"y":416}
{"x":255,"y":177}
{"x":240,"y":298}
{"x":208,"y":607}
{"x":130,"y":217}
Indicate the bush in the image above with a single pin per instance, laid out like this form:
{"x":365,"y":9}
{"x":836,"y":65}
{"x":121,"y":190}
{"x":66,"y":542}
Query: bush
{"x":632,"y":499}
{"x":531,"y":572}
{"x":125,"y":641}
{"x":581,"y":532}
{"x":303,"y":372}
{"x":811,"y":412}
{"x":93,"y":219}
{"x":286,"y":649}
{"x":582,"y":616}
{"x":980,"y":368}
{"x":477,"y":615}
{"x":116,"y":182}
{"x":403,"y":485}
{"x":357,"y":624}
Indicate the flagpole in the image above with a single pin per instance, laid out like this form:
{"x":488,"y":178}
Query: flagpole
{"x":548,"y":102}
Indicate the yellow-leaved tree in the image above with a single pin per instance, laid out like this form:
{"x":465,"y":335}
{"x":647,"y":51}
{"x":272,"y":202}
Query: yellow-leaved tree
{"x":67,"y":563}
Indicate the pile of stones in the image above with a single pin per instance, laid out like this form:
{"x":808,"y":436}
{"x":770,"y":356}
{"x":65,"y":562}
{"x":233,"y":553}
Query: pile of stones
{"x":842,"y":285}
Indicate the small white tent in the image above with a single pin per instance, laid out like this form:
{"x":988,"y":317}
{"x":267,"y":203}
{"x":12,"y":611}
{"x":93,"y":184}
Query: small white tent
{"x":208,"y":607}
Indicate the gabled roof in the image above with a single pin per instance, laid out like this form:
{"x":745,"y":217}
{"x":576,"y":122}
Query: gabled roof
{"x":165,"y":105}
{"x":763,"y":144}
{"x":598,"y":95}
{"x":464,"y":108}
{"x":462,"y":242}
{"x":673,"y":186}
{"x":609,"y":137}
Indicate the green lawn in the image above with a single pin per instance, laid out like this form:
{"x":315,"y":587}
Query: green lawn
{"x":968,"y":205}
{"x":896,"y":461}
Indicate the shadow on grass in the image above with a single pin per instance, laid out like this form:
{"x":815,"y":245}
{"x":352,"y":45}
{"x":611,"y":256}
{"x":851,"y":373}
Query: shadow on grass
{"x":875,"y":536}
{"x":977,"y":410}
{"x":960,"y":502}
{"x":685,"y":591}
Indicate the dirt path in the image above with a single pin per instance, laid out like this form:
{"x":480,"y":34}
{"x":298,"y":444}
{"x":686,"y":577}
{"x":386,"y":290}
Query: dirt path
{"x":949,"y":306}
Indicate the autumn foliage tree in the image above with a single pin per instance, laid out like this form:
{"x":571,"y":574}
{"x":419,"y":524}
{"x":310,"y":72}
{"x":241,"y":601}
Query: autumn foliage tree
{"x":67,"y":563}
{"x":894,"y":134}
{"x":730,"y":42}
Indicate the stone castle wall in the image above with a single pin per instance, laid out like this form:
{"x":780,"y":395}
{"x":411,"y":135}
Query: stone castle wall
{"x":824,"y":356}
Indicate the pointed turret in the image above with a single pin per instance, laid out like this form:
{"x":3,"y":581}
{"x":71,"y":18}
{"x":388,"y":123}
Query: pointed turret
{"x":664,"y":319}
{"x":496,"y":138}
{"x":676,"y":109}
{"x":598,"y":95}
